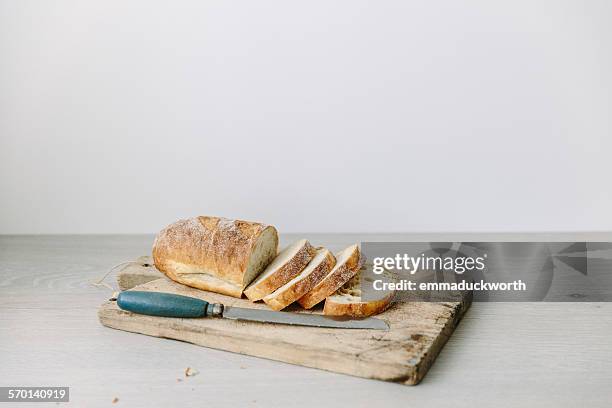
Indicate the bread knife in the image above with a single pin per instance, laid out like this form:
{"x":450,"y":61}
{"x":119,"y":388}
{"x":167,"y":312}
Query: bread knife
{"x":171,"y":305}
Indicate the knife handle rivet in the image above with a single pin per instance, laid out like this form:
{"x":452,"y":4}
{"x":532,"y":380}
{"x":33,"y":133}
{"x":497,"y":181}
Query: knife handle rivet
{"x":214,"y":310}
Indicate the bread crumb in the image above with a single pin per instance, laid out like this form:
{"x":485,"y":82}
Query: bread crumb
{"x":190,"y":372}
{"x":115,"y":400}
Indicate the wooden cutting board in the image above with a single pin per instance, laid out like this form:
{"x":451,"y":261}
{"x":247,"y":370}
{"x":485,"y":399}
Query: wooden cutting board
{"x":403,"y":354}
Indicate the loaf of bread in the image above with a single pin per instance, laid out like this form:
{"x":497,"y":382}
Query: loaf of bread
{"x":317,"y":269}
{"x":347,"y":300}
{"x":289,"y":263}
{"x":215,"y":254}
{"x":348,"y":262}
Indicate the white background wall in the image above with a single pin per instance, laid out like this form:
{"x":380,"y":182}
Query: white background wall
{"x":319,"y":115}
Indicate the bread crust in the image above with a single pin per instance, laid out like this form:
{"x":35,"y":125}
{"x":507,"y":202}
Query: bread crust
{"x":284,"y":274}
{"x":333,"y":281}
{"x":347,"y":300}
{"x":281,"y":300}
{"x":357,"y":309}
{"x":206,"y":282}
{"x":210,"y":253}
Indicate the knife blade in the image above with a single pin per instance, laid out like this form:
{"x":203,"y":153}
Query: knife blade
{"x":171,"y":305}
{"x":302,"y":319}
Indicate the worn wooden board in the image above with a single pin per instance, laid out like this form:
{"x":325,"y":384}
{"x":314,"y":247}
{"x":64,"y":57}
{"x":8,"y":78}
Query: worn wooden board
{"x":142,"y":270}
{"x":418,"y":331}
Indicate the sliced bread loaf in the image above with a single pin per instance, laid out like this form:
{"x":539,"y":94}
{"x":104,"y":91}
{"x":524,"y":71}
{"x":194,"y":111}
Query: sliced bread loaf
{"x":215,"y":253}
{"x":347,"y":265}
{"x":347,"y":300}
{"x":317,"y":269}
{"x":289,"y":263}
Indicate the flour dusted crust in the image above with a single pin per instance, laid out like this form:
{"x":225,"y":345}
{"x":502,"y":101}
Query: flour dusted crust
{"x":215,"y":253}
{"x":348,"y":262}
{"x":347,"y":301}
{"x":289,"y":263}
{"x":317,"y":269}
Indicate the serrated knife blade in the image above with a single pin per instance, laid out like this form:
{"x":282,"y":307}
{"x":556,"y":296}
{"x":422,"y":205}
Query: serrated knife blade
{"x":302,"y":319}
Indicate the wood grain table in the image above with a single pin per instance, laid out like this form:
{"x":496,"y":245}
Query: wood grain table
{"x":502,"y":354}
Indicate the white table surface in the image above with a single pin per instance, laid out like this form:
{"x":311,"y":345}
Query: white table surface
{"x":502,"y":354}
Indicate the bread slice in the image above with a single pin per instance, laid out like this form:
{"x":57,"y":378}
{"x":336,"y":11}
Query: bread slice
{"x":347,"y":265}
{"x":319,"y":266}
{"x":347,"y":300}
{"x":289,"y":263}
{"x":214,"y":253}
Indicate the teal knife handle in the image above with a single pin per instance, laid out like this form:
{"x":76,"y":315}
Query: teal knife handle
{"x":165,"y":304}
